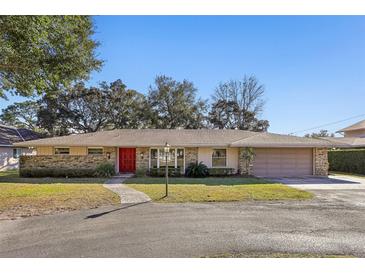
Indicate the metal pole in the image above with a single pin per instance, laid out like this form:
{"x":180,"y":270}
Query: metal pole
{"x":167,"y":175}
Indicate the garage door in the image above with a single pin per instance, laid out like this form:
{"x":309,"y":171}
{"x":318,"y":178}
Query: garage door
{"x":283,"y":162}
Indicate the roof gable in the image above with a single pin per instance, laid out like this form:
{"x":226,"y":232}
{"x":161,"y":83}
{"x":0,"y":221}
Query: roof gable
{"x":356,"y":126}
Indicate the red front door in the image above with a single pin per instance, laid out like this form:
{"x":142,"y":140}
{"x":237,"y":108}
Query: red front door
{"x":127,"y":159}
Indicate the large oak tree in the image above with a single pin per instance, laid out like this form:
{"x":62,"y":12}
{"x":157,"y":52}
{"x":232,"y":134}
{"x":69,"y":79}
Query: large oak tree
{"x":43,"y":54}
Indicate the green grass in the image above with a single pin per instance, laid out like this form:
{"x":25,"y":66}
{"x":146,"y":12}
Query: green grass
{"x":12,"y":176}
{"x":216,"y":189}
{"x":12,"y":173}
{"x":21,"y":200}
{"x":209,"y":181}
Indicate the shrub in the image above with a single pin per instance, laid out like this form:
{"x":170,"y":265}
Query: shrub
{"x":221,"y":171}
{"x":105,"y":170}
{"x":352,"y":161}
{"x":197,"y":170}
{"x":161,"y":172}
{"x":56,"y":172}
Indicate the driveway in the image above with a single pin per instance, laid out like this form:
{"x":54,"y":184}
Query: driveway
{"x":190,"y":230}
{"x":345,"y":189}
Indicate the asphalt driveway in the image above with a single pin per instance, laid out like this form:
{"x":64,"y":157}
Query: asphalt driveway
{"x":341,"y":189}
{"x":190,"y":230}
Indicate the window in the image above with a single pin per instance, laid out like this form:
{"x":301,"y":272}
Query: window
{"x":17,"y":152}
{"x":154,"y":153}
{"x":95,"y":150}
{"x":170,"y":158}
{"x":175,"y":158}
{"x":180,"y":158}
{"x":62,"y":150}
{"x":219,"y":158}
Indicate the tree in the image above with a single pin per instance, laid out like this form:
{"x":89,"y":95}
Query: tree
{"x":173,"y":104}
{"x":127,"y":107}
{"x":81,"y":109}
{"x":236,"y":105}
{"x":22,"y":115}
{"x":321,"y":133}
{"x":43,"y":54}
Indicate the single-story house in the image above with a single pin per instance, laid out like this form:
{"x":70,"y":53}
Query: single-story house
{"x":132,"y":150}
{"x":9,"y":153}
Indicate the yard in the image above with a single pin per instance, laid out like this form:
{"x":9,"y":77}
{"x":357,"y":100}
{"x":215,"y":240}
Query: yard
{"x":214,"y":189}
{"x":22,"y":197}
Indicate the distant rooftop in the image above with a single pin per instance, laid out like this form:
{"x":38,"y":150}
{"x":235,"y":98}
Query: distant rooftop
{"x":356,"y":126}
{"x":10,"y":135}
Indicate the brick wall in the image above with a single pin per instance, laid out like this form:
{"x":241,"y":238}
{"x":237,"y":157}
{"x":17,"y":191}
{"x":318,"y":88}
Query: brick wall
{"x":142,"y":159}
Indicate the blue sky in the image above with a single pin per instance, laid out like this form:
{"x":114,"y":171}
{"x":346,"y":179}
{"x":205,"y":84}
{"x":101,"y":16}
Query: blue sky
{"x":313,"y":68}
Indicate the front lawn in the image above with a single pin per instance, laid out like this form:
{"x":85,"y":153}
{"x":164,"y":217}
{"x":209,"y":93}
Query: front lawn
{"x":12,"y":176}
{"x":215,"y":189}
{"x":22,"y":200}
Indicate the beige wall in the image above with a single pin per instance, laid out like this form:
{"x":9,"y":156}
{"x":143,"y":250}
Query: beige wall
{"x":205,"y":156}
{"x":78,"y":150}
{"x":44,"y":150}
{"x":355,"y":133}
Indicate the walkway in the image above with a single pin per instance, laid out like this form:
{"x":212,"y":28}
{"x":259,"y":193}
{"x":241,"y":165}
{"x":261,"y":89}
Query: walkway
{"x":127,"y":194}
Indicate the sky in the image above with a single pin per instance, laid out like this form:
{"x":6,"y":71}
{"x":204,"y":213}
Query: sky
{"x":313,"y":68}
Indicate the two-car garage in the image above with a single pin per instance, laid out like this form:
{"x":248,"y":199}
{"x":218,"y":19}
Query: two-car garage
{"x":271,"y":162}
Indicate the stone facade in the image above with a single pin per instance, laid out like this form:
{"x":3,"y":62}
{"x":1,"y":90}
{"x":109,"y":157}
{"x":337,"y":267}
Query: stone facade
{"x":68,"y":161}
{"x":320,"y":161}
{"x":244,"y":167}
{"x":191,"y":155}
{"x":142,"y":159}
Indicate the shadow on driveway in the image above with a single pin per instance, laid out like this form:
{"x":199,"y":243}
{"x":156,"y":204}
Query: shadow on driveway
{"x":93,"y":216}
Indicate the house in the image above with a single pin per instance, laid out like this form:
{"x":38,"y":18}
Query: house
{"x":9,"y":153}
{"x":354,"y":136}
{"x":356,"y":130}
{"x":132,"y":150}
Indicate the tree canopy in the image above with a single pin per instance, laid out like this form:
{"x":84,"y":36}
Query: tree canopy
{"x":43,"y":54}
{"x":237,"y":105}
{"x":174,"y":104}
{"x":169,"y":104}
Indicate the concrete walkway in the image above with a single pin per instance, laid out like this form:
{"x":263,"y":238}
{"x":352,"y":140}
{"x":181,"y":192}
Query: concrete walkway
{"x":127,"y":194}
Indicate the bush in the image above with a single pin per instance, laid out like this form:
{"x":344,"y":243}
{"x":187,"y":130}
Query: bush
{"x":161,"y":172}
{"x":351,"y":161}
{"x":56,"y":172}
{"x":197,"y":170}
{"x":105,"y":170}
{"x":221,"y":171}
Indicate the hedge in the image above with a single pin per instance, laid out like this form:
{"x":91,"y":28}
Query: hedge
{"x":102,"y":170}
{"x":351,"y":161}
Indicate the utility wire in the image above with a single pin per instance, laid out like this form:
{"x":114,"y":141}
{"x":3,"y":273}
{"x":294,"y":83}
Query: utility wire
{"x":324,"y":125}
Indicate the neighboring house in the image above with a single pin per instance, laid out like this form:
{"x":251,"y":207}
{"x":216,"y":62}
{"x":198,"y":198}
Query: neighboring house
{"x":355,"y":130}
{"x":141,"y":149}
{"x":354,"y":136}
{"x":9,"y":153}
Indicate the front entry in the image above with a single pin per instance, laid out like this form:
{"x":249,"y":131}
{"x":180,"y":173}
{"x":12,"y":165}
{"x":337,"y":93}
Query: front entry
{"x":127,"y":160}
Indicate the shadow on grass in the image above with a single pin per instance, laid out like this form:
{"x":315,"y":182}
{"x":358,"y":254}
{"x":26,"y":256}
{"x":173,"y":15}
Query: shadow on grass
{"x":93,"y":216}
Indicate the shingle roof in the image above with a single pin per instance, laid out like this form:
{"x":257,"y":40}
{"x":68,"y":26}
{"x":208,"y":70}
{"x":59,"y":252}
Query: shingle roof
{"x":358,"y":125}
{"x":10,"y":135}
{"x":346,"y":142}
{"x":179,"y":137}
